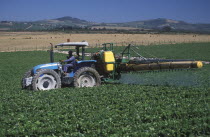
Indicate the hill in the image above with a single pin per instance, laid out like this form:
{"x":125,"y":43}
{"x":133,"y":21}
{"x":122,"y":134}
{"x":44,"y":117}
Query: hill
{"x":45,"y":25}
{"x":161,"y":23}
{"x":70,"y":23}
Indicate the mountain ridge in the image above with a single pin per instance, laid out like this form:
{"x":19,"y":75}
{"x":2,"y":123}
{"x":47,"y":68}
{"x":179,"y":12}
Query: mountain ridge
{"x":67,"y":21}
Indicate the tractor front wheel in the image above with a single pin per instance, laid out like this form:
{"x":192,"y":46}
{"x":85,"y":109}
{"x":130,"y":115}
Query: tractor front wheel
{"x":46,"y":79}
{"x":86,"y":77}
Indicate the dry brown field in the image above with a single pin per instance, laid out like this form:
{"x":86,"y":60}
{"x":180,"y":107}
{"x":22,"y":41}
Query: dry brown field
{"x":16,"y":41}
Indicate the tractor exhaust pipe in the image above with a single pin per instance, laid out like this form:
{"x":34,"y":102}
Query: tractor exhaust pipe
{"x":51,"y":54}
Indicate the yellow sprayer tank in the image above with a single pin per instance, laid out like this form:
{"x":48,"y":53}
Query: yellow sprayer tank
{"x":109,"y":60}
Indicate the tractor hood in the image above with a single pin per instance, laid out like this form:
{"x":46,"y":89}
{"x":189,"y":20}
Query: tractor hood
{"x":53,"y":66}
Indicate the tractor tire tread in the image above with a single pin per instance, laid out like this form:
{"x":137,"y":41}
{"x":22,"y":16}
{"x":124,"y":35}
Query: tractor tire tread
{"x":45,"y":71}
{"x":84,"y":69}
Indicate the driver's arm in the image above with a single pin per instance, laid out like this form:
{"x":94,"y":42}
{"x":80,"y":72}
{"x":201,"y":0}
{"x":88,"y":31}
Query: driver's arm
{"x":70,"y":59}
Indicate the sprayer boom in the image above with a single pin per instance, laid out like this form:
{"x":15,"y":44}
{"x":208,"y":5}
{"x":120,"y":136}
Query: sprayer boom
{"x":161,"y":65}
{"x":111,"y":66}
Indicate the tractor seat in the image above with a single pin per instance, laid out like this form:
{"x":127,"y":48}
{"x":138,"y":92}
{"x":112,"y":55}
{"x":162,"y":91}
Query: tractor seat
{"x":70,"y":69}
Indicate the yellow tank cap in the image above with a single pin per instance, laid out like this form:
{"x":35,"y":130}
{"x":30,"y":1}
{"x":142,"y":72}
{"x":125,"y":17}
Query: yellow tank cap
{"x":199,"y":64}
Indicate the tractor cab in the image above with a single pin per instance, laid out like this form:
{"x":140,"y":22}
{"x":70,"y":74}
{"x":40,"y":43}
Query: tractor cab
{"x":80,"y":53}
{"x":78,"y":46}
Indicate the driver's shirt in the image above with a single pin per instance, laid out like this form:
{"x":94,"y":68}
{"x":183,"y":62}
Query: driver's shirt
{"x":71,"y":60}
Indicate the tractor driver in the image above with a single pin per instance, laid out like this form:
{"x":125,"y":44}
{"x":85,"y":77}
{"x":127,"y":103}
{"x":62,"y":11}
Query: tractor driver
{"x":71,"y":62}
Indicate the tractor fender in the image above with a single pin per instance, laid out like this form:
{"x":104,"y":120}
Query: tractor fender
{"x":85,"y":63}
{"x":81,"y":64}
{"x":53,"y":66}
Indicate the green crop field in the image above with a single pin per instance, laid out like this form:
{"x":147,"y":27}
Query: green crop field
{"x":173,"y":103}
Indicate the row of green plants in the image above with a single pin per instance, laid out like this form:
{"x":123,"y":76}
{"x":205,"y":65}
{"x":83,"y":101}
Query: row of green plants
{"x":131,"y":109}
{"x":118,"y":110}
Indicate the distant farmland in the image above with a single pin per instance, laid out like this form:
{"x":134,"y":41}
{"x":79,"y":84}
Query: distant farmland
{"x":11,"y":41}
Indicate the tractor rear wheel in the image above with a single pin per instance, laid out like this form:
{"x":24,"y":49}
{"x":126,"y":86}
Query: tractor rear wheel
{"x":26,"y":75}
{"x":46,"y":79}
{"x":86,"y":77}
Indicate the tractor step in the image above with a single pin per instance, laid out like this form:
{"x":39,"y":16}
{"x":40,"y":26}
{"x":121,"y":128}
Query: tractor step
{"x":67,"y":80}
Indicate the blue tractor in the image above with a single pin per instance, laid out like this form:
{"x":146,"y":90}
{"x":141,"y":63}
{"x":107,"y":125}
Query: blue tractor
{"x":51,"y":76}
{"x":104,"y":66}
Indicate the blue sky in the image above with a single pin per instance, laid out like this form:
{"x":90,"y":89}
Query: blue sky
{"x":193,"y":11}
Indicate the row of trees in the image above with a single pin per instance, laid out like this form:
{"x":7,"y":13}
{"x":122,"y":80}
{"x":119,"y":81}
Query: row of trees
{"x":90,"y":29}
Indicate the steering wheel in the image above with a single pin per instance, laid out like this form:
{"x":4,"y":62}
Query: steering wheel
{"x":61,"y":62}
